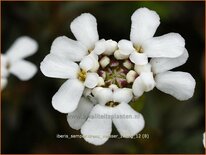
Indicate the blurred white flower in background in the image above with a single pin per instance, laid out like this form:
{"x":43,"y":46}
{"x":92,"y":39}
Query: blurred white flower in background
{"x":204,"y":139}
{"x":12,"y":61}
{"x":105,"y":77}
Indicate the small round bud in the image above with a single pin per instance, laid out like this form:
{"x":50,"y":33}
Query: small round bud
{"x":101,"y":82}
{"x":127,"y":64}
{"x":120,"y":56}
{"x":113,"y":86}
{"x":131,"y":76}
{"x":104,"y":61}
{"x":102,"y":74}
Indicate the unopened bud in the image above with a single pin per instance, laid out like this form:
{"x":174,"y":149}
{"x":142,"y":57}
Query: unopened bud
{"x":101,"y":82}
{"x":113,"y":86}
{"x":131,"y":76}
{"x":104,"y":61}
{"x":120,"y":56}
{"x":127,"y":64}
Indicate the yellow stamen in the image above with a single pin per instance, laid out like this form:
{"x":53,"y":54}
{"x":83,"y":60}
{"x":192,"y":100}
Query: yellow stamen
{"x":82,"y":75}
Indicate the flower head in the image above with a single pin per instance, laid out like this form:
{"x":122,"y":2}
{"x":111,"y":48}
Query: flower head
{"x":13,"y":60}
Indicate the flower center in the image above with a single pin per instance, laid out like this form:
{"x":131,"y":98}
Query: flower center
{"x":112,"y":104}
{"x":138,"y":48}
{"x":82,"y":75}
{"x":115,"y":73}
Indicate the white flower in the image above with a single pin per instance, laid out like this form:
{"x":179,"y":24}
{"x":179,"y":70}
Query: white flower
{"x":204,"y":139}
{"x":13,"y":60}
{"x":143,"y":44}
{"x":181,"y":85}
{"x":84,"y":28}
{"x":113,"y":106}
{"x":79,"y":77}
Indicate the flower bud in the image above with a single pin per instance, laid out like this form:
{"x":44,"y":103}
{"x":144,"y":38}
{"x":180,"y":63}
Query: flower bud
{"x":104,"y":61}
{"x":113,"y":86}
{"x":120,"y":56}
{"x":127,"y":64}
{"x":131,"y":76}
{"x":101,"y":82}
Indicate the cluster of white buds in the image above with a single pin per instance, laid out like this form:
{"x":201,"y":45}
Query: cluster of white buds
{"x":104,"y":76}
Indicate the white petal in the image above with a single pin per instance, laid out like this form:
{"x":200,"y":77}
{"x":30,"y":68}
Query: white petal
{"x":92,"y":80}
{"x":77,"y":118}
{"x":144,"y":25}
{"x":142,"y":68}
{"x":97,"y":129}
{"x":24,"y":70}
{"x":138,"y":58}
{"x":103,"y":95}
{"x":4,"y":66}
{"x":4,"y":60}
{"x":100,"y":47}
{"x":68,"y":49}
{"x":89,"y":63}
{"x":128,"y":126}
{"x":57,"y":67}
{"x":119,"y":56}
{"x":111,"y":46}
{"x":181,"y":85}
{"x":67,"y":97}
{"x":4,"y":71}
{"x":22,"y":48}
{"x":164,"y":64}
{"x":4,"y":82}
{"x":144,"y":82}
{"x":84,"y":29}
{"x":126,"y":47}
{"x":122,"y":95}
{"x":170,"y":45}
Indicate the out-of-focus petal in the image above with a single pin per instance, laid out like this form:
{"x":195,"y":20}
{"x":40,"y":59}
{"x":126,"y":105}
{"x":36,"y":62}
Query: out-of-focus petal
{"x":22,"y":48}
{"x":77,"y":118}
{"x":23,"y":70}
{"x":97,"y":129}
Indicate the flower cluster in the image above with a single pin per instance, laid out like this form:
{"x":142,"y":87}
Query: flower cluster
{"x":105,"y":76}
{"x":12,"y":62}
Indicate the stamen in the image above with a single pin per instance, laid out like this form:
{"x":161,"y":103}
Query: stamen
{"x":138,"y":48}
{"x":82,"y":75}
{"x":112,"y":104}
